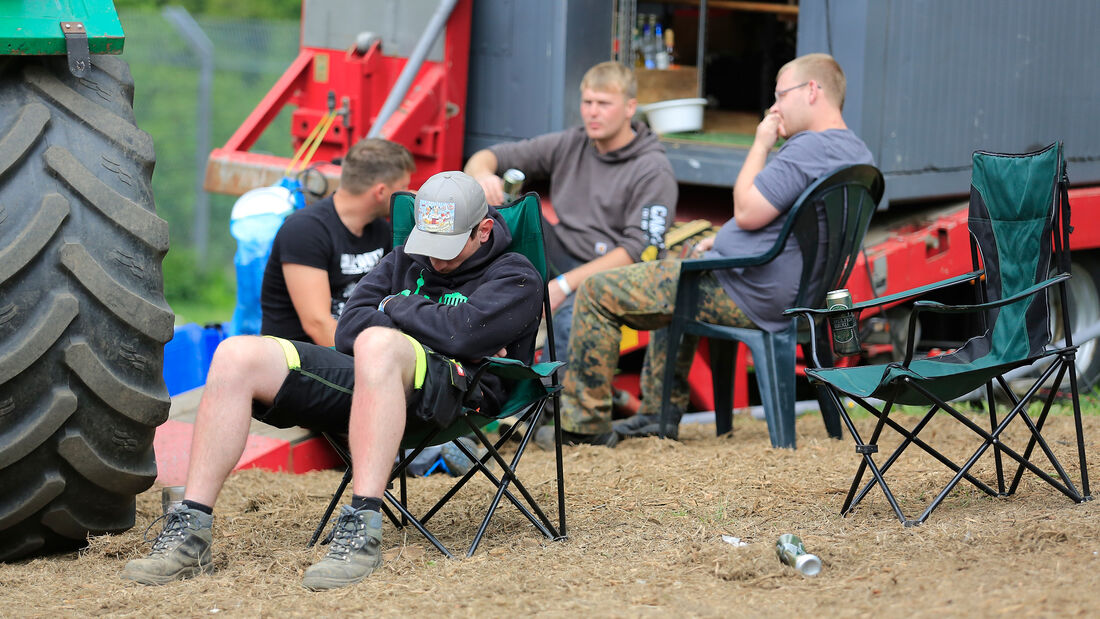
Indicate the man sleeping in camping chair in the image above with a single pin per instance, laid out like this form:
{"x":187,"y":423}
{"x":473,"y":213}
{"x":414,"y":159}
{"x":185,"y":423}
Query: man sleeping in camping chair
{"x":451,"y":296}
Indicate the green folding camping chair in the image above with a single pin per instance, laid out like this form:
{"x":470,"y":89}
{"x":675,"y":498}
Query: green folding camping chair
{"x":527,"y":399}
{"x":828,"y":221}
{"x":1019,"y":228}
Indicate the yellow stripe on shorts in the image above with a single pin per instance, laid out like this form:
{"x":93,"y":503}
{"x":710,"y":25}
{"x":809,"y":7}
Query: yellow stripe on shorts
{"x":293,"y":361}
{"x":421,"y":362}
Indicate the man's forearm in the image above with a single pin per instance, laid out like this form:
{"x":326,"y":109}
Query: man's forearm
{"x":755,"y":161}
{"x":481,"y":162}
{"x":483,"y":167}
{"x":321,"y":330}
{"x":615,"y":258}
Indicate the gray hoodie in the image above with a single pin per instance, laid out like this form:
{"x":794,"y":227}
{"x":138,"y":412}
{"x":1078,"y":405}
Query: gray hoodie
{"x":599,"y":199}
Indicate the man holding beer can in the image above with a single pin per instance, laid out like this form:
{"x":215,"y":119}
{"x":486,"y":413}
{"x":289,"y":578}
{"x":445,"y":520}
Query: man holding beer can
{"x":611,"y":186}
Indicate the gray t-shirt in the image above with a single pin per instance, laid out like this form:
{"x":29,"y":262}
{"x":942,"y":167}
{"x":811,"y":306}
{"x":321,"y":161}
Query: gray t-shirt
{"x":763,"y":292}
{"x":601,"y":200}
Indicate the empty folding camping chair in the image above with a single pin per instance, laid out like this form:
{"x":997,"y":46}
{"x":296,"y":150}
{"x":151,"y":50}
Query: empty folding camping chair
{"x":1019,"y":230}
{"x":528,"y":400}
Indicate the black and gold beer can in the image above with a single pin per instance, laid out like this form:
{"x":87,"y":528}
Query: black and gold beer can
{"x":844,"y":326}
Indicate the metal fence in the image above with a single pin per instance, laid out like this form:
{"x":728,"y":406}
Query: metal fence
{"x":248,"y":57}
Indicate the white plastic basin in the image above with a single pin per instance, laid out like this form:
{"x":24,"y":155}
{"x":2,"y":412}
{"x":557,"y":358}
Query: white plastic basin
{"x":675,"y":115}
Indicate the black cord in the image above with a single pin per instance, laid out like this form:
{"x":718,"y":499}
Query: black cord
{"x":304,"y":180}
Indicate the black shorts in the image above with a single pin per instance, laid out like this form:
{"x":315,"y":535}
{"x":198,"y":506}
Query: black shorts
{"x":317,"y":392}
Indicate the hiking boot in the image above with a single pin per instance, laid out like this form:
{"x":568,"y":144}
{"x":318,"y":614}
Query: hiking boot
{"x":504,"y":424}
{"x":182,"y":549}
{"x":355,"y":553}
{"x":458,"y":464}
{"x":544,"y":438}
{"x":646,"y":425}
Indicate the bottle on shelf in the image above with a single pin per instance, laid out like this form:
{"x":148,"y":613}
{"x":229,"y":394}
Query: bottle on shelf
{"x":661,"y":56}
{"x":670,"y":41}
{"x":649,"y":44}
{"x":636,"y":44}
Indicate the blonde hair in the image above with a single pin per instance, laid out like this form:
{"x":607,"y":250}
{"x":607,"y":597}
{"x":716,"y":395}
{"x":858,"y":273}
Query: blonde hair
{"x":823,"y":69}
{"x":611,"y":75}
{"x":372,"y":161}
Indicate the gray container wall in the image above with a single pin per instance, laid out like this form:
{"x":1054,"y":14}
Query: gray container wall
{"x":527,"y":58}
{"x":931,"y":81}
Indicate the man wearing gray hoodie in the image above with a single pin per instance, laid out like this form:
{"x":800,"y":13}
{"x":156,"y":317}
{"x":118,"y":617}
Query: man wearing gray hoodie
{"x":611,"y":186}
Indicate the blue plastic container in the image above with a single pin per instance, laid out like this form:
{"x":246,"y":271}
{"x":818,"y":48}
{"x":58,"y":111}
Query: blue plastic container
{"x":188,"y":354}
{"x":256,"y":217}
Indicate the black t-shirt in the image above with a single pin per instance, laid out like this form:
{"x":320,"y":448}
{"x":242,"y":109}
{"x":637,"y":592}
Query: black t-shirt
{"x":315,"y":237}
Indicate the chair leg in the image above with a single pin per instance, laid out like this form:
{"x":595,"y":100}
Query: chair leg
{"x":545,"y":527}
{"x":991,"y":438}
{"x":331,"y":507}
{"x":992,"y":405}
{"x":912,"y":438}
{"x":866,"y":449}
{"x":774,"y":361}
{"x":723,"y":359}
{"x":675,"y":335}
{"x":830,"y":413}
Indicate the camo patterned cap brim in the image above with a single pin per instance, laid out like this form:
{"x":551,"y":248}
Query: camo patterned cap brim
{"x":448,"y":206}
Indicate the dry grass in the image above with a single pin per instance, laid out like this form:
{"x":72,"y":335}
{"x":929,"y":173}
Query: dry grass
{"x":645,"y":538}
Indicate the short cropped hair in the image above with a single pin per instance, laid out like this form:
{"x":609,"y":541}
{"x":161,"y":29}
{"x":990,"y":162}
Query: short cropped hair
{"x":611,"y":75}
{"x":371,"y":161}
{"x":823,"y":69}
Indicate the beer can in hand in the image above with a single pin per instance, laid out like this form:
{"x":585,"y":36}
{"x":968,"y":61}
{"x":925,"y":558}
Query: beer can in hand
{"x":844,"y":326}
{"x":513,"y":183}
{"x":791,"y":552}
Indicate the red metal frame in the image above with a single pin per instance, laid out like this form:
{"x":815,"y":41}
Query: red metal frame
{"x":430,"y":122}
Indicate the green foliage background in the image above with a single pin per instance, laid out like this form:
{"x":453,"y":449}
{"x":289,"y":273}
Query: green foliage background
{"x":254,"y":43}
{"x":262,"y":9}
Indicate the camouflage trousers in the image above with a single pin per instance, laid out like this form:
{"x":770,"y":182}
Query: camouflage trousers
{"x":640,"y":296}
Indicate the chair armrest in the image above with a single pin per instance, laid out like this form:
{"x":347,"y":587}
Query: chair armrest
{"x":890,"y":298}
{"x":515,"y":369}
{"x":729,"y":262}
{"x":940,"y":308}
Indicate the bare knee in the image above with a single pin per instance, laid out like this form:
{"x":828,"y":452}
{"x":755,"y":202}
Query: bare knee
{"x":382,"y":352}
{"x":248,"y":362}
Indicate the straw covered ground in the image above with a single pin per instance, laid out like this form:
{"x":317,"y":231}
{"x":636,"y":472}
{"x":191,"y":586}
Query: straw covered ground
{"x":646,"y":526}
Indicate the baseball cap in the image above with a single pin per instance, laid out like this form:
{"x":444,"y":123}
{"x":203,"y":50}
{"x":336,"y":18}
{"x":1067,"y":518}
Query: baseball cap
{"x":448,"y":206}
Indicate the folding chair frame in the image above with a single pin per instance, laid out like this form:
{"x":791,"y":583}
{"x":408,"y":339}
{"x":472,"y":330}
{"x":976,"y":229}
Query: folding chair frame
{"x":529,"y":418}
{"x":1063,"y":364}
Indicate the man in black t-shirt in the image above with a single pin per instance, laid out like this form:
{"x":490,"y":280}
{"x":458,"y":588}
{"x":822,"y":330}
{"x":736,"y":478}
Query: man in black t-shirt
{"x":322,"y":251}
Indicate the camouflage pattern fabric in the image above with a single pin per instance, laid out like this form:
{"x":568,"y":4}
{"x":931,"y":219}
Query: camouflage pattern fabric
{"x":640,"y":296}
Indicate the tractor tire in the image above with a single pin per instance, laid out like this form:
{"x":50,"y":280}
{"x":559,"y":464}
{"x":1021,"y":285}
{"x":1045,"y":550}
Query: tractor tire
{"x":1084,"y":314}
{"x":83,"y":319}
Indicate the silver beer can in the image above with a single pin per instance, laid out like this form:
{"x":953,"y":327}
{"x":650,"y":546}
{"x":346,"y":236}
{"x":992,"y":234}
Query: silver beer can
{"x":513,"y":183}
{"x":791,"y":552}
{"x":845,"y":326}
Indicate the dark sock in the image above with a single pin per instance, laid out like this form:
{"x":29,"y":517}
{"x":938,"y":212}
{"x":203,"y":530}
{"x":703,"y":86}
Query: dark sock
{"x":199,"y":506}
{"x":366,"y":502}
